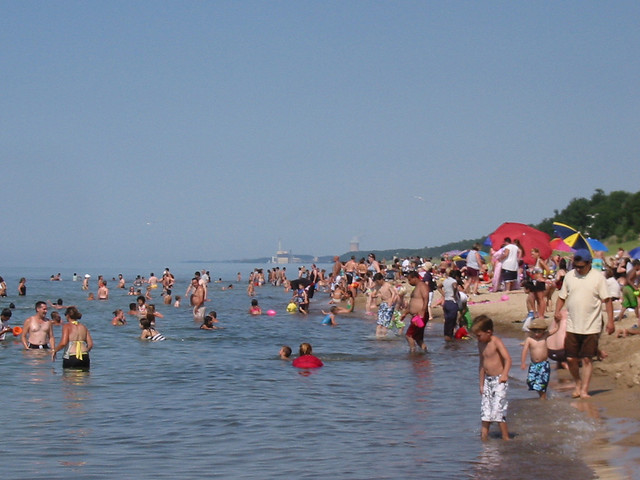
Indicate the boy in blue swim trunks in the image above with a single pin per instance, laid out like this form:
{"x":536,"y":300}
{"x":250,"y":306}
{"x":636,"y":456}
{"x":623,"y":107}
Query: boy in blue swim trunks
{"x":536,"y":346}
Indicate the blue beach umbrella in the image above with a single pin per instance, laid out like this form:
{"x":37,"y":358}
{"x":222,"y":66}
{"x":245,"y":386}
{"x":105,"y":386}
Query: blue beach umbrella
{"x":635,"y":253}
{"x":484,"y":255}
{"x":597,"y":245}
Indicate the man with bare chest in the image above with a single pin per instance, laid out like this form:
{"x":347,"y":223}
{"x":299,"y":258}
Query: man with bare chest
{"x":350,"y":269}
{"x":103,"y":291}
{"x":417,"y":310}
{"x":197,"y":300}
{"x":37,"y":332}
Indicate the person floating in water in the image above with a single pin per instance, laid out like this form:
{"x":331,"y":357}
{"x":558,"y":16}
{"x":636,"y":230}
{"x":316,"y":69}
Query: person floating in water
{"x":285,"y":353}
{"x":306,"y":359}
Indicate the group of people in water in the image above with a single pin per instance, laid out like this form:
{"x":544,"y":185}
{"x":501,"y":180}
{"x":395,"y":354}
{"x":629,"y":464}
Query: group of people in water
{"x":37,"y":334}
{"x":37,"y":331}
{"x":402,"y":296}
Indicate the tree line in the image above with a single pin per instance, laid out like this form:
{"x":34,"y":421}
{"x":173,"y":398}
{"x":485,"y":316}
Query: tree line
{"x":615,"y":216}
{"x":607,"y":217}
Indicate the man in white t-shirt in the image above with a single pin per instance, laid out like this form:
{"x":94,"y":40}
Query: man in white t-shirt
{"x":583,"y":291}
{"x":509,"y":264}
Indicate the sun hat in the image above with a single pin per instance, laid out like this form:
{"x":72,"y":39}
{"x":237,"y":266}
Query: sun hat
{"x":538,"y":324}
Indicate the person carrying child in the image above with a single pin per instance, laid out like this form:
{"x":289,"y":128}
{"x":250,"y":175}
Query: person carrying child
{"x":494,"y":366}
{"x":302,"y":299}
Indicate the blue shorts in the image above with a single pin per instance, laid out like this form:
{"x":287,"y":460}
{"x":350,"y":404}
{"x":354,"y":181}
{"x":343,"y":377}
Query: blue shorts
{"x":538,"y":376}
{"x":385,"y":315}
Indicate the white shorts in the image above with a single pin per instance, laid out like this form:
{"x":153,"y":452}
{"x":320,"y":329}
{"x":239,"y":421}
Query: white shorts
{"x":494,"y":400}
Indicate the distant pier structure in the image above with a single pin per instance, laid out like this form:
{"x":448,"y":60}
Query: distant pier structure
{"x":283,"y":256}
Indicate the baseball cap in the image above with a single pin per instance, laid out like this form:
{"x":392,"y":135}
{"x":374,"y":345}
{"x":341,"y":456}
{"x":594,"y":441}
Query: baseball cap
{"x":582,"y":254}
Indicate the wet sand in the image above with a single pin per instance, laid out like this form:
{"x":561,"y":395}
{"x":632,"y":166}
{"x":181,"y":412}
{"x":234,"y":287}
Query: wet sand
{"x":615,"y":386}
{"x":614,"y":389}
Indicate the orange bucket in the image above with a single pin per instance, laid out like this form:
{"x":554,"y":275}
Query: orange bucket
{"x":16,"y":331}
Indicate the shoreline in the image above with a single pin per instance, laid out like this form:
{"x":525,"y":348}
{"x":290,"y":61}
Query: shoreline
{"x":613,"y":387}
{"x":614,"y":453}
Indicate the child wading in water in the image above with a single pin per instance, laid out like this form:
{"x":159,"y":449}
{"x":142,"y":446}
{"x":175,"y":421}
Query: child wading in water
{"x":255,"y":309}
{"x":495,"y":363}
{"x":536,"y":346}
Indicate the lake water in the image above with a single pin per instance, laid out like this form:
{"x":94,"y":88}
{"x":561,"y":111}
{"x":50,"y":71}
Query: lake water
{"x":220,"y":404}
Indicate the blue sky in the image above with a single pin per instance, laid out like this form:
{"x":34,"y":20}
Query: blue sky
{"x":169,"y":131}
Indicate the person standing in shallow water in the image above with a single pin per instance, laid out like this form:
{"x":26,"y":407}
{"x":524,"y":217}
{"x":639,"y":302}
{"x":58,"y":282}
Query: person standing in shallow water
{"x":386,"y":297}
{"x":22,"y":287}
{"x":583,"y":290}
{"x":197,"y":300}
{"x":37,"y":332}
{"x":418,"y":304}
{"x":494,"y":366}
{"x":77,"y":340}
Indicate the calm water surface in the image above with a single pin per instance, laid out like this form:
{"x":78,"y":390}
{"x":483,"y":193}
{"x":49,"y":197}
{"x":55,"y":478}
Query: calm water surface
{"x":220,"y":404}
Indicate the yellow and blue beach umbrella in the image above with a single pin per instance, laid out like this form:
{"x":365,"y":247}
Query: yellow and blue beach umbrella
{"x":571,"y":236}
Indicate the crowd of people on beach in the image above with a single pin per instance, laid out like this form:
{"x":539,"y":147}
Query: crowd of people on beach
{"x":403,"y":295}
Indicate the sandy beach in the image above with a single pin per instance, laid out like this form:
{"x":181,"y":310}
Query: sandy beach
{"x":615,"y":387}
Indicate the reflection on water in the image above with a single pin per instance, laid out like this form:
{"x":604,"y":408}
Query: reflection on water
{"x":38,"y":363}
{"x":220,"y":404}
{"x":78,"y":427}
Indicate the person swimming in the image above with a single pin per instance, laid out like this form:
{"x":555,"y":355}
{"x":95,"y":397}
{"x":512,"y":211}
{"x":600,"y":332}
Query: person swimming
{"x":148,"y":332}
{"x":306,"y":359}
